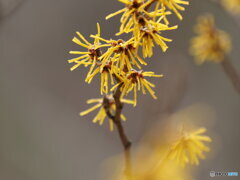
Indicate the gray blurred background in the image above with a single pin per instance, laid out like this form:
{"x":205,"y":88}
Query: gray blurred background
{"x":42,"y":137}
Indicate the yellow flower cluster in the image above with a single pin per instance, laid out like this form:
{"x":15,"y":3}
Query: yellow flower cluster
{"x":232,"y":6}
{"x":147,"y":26}
{"x":210,"y":44}
{"x":115,"y":61}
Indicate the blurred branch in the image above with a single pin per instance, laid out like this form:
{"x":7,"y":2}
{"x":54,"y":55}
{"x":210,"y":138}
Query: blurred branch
{"x":232,"y":73}
{"x":8,"y":7}
{"x":227,"y":66}
{"x":235,"y":19}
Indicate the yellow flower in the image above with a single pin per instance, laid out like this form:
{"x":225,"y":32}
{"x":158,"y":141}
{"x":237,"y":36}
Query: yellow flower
{"x":149,"y":34}
{"x":210,"y":44}
{"x":101,"y":115}
{"x":135,"y":80}
{"x":91,"y":55}
{"x":133,"y":8}
{"x":107,"y":72}
{"x":232,"y":6}
{"x":136,"y":17}
{"x":190,"y":147}
{"x":174,"y":5}
{"x":123,"y":53}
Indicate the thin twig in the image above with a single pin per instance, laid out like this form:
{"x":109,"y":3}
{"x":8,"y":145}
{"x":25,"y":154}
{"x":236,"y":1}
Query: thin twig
{"x":117,"y":120}
{"x":231,"y":72}
{"x":123,"y":137}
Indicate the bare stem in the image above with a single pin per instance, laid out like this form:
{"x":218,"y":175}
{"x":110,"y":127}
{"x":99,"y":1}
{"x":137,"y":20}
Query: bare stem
{"x":231,"y":73}
{"x":123,"y":137}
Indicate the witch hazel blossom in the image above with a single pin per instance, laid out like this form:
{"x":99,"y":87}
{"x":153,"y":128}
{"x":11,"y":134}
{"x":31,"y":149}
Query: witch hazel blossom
{"x":118,"y":65}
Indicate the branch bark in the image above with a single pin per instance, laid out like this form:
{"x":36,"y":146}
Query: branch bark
{"x":124,"y":139}
{"x":122,"y":134}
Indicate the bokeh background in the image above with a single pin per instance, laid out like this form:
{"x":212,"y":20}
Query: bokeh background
{"x":42,"y":137}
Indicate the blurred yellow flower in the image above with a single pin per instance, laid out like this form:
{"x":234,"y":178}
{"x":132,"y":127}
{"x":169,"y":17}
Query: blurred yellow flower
{"x":190,"y":147}
{"x":210,"y":44}
{"x":232,"y":6}
{"x":107,"y":101}
{"x":163,"y":151}
{"x":135,"y":81}
{"x":144,"y":169}
{"x":150,"y":161}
